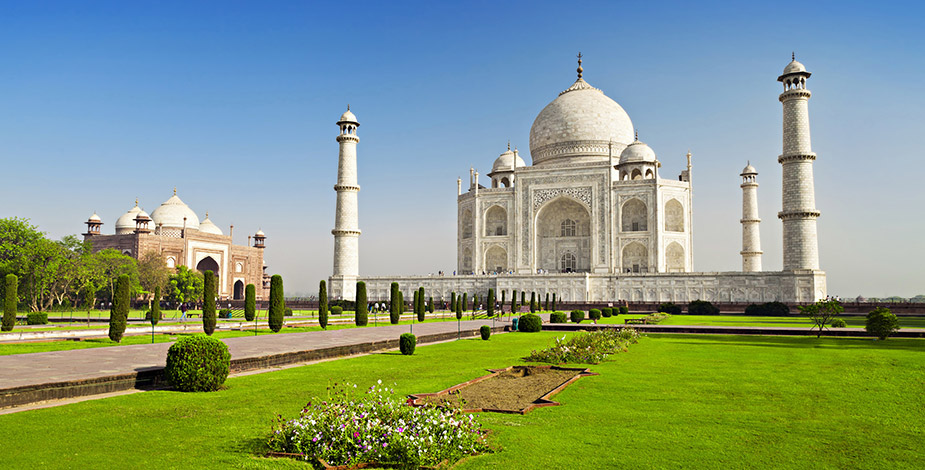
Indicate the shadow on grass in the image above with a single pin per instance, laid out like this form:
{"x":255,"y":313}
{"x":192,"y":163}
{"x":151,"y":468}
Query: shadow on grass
{"x":790,"y":342}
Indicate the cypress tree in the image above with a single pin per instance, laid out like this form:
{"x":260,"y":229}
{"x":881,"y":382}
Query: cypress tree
{"x":547,"y":302}
{"x":323,"y":305}
{"x":554,"y":301}
{"x":118,"y":315}
{"x":503,"y":298}
{"x":523,"y":298}
{"x":277,"y":304}
{"x":458,"y":308}
{"x":250,"y":302}
{"x":421,"y":305}
{"x":490,"y":307}
{"x":533,"y":302}
{"x":89,"y":297}
{"x":465,"y":302}
{"x":156,"y":306}
{"x":452,"y":301}
{"x":208,"y":302}
{"x":10,"y":300}
{"x":514,"y":302}
{"x":430,"y":304}
{"x":361,"y":317}
{"x":414,"y":302}
{"x":394,"y":304}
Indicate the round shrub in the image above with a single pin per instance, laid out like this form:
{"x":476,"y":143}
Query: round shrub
{"x":530,"y":323}
{"x":197,"y":364}
{"x":624,"y":310}
{"x":594,"y":314}
{"x":335,"y":310}
{"x":406,"y":343}
{"x":577,"y":316}
{"x":36,"y":318}
{"x":881,"y":322}
{"x":557,"y":317}
{"x":485,"y":331}
{"x":837,"y":323}
{"x":607,"y":312}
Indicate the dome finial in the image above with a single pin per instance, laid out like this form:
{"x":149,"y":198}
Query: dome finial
{"x":509,"y":144}
{"x":207,"y":214}
{"x":580,"y":70}
{"x":637,"y":135}
{"x":348,"y":106}
{"x":793,"y":56}
{"x":174,"y":190}
{"x":136,"y":201}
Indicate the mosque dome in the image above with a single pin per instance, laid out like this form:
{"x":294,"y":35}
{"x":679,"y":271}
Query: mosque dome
{"x":794,"y":67}
{"x":208,"y":226}
{"x":126,"y":223}
{"x":347,"y":116}
{"x":170,"y":214}
{"x":637,"y":152}
{"x":508,"y":161}
{"x":579,"y":126}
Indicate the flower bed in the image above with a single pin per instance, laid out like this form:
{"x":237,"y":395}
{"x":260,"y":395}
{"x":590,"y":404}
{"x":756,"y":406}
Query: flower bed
{"x":375,"y":426}
{"x":590,"y":347}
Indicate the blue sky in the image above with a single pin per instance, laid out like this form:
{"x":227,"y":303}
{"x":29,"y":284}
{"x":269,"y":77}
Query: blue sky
{"x":235,"y":103}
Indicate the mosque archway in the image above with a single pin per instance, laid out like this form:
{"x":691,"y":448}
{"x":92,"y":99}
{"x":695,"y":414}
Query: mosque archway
{"x":209,"y":264}
{"x":635,"y":258}
{"x":634,"y":216}
{"x":674,"y":216}
{"x":495,"y":221}
{"x":563,"y":226}
{"x":674,"y":258}
{"x":238,"y":289}
{"x":496,"y":260}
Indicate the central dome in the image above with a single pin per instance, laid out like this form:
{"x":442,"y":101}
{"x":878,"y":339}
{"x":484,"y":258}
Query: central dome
{"x":170,"y":214}
{"x":578,"y":126}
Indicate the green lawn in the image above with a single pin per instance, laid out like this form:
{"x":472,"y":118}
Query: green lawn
{"x":742,"y":320}
{"x":68,"y":345}
{"x":672,"y":401}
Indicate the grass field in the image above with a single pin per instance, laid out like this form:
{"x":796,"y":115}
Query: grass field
{"x":742,"y":320}
{"x":672,"y":401}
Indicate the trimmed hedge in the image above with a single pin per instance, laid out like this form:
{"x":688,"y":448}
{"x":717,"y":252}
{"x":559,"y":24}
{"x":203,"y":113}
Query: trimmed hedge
{"x":577,"y":316}
{"x":361,"y":315}
{"x":36,"y":318}
{"x":594,"y":315}
{"x":250,"y":302}
{"x":10,"y":300}
{"x":702,"y":307}
{"x":197,"y":364}
{"x":557,"y":317}
{"x":323,"y":305}
{"x":118,"y":314}
{"x":485,"y":331}
{"x":277,"y":304}
{"x":335,"y":310}
{"x":530,"y":323}
{"x":607,"y":312}
{"x":670,"y":308}
{"x":407,"y":343}
{"x":770,"y":309}
{"x":155,"y":315}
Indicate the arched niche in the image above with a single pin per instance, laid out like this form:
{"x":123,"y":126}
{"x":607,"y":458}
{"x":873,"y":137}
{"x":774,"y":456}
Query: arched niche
{"x":563,"y":225}
{"x":496,"y":260}
{"x":635,"y":258}
{"x":495,"y":221}
{"x":674,"y":216}
{"x":634,"y":216}
{"x":467,"y":224}
{"x":674,"y":258}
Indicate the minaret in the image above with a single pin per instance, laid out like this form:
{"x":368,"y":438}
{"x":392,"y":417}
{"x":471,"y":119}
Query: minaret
{"x":801,"y":248}
{"x":346,"y":220}
{"x":751,"y":241}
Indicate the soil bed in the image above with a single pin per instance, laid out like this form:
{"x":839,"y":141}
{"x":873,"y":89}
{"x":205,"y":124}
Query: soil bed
{"x":517,"y":389}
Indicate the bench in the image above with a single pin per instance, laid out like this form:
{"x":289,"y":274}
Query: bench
{"x":635,"y":321}
{"x":190,"y":313}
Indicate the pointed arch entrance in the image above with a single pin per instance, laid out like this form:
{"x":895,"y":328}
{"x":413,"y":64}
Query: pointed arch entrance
{"x":563,"y":236}
{"x":238,"y":289}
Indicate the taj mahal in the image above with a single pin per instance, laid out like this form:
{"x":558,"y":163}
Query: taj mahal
{"x":596,"y":216}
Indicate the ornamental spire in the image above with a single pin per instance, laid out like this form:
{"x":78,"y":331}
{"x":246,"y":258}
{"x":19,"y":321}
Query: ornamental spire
{"x":580,"y":70}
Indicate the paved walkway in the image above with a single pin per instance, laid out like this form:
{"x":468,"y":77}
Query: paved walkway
{"x":82,"y":371}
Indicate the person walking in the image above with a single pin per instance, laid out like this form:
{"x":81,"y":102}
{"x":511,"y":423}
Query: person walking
{"x":183,"y":311}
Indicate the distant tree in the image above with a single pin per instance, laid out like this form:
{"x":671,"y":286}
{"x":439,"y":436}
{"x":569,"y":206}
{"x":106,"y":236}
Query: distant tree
{"x":394,"y":304}
{"x":152,"y":271}
{"x":514,"y":302}
{"x":10,"y":302}
{"x":490,"y":303}
{"x":250,"y":302}
{"x":546,"y":305}
{"x":553,"y":301}
{"x":452,"y":301}
{"x":89,"y":296}
{"x":277,"y":309}
{"x":523,"y":297}
{"x":208,"y":302}
{"x":881,"y":322}
{"x":118,"y":315}
{"x":459,"y":308}
{"x":361,"y":308}
{"x":465,"y":302}
{"x":503,"y":299}
{"x":430,"y":304}
{"x":533,"y":302}
{"x":185,"y":286}
{"x":821,"y":313}
{"x":323,"y":305}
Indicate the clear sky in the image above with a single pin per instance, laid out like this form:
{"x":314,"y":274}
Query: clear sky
{"x":234,"y":103}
